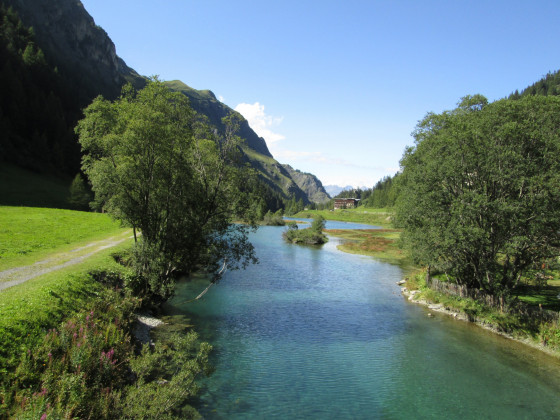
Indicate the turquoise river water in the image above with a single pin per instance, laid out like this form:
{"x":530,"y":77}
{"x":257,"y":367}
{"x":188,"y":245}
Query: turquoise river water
{"x":315,"y":333}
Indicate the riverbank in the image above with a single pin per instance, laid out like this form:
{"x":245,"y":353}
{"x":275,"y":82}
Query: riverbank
{"x":415,"y":296}
{"x":71,"y":340}
{"x":382,"y":244}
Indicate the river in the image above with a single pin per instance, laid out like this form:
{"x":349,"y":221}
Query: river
{"x":315,"y":333}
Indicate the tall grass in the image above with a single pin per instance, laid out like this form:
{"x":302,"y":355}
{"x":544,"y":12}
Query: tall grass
{"x":31,"y":308}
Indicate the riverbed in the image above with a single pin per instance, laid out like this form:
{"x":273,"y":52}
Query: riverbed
{"x":315,"y":333}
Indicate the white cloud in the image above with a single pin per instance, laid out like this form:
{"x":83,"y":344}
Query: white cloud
{"x":260,"y":122}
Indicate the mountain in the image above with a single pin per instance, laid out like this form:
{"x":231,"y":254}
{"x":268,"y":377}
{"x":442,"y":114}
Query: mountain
{"x":309,"y":184}
{"x":205,"y":102}
{"x":82,"y":51}
{"x":334,"y":190}
{"x":83,"y":58}
{"x":272,"y":173}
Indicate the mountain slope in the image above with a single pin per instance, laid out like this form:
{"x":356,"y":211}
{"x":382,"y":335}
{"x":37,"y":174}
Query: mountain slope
{"x":255,"y":149}
{"x":85,"y":58}
{"x":205,"y":102}
{"x":81,"y":50}
{"x":309,"y":184}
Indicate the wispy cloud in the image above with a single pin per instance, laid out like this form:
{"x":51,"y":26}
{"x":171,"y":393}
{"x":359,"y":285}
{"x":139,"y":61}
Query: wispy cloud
{"x":260,"y":122}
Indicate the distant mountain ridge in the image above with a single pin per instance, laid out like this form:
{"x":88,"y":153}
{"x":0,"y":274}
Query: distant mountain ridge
{"x":205,"y":102}
{"x":86,"y":57}
{"x":309,"y":183}
{"x":333,"y":190}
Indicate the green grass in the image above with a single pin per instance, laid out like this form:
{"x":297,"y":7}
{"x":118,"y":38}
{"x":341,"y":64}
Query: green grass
{"x":29,"y":309}
{"x":545,"y":296}
{"x":268,"y":168}
{"x":21,"y":187}
{"x":369,"y":216}
{"x":28,"y":234}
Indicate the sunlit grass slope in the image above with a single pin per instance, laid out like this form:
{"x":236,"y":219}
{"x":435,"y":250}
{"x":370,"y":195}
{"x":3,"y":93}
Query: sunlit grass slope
{"x":29,"y":309}
{"x":28,"y":234}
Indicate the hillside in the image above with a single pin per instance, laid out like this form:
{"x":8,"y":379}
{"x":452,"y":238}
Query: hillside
{"x":548,"y":85}
{"x":82,"y":51}
{"x":309,"y":184}
{"x":205,"y":102}
{"x":272,"y":173}
{"x":82,"y":62}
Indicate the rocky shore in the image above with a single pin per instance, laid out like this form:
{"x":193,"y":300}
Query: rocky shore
{"x":144,"y":323}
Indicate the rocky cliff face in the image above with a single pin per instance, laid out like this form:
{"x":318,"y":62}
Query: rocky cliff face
{"x":309,"y":184}
{"x":79,"y":48}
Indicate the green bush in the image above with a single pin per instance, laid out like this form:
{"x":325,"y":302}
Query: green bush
{"x":549,"y":335}
{"x":273,"y":219}
{"x":87,"y":368}
{"x":75,"y":368}
{"x":311,"y":236}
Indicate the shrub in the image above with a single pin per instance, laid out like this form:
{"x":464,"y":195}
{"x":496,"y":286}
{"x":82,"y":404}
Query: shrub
{"x":74,"y":370}
{"x":311,"y":236}
{"x":87,"y":368}
{"x":273,"y":219}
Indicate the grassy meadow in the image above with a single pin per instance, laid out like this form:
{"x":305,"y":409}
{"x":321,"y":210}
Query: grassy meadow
{"x":369,"y":216}
{"x":29,"y":234}
{"x":29,"y":309}
{"x":381,"y":244}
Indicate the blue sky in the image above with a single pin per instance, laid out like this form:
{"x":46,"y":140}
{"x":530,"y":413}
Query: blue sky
{"x":336,"y":87}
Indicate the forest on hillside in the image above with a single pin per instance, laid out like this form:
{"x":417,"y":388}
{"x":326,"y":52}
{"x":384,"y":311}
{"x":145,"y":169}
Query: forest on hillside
{"x":38,"y":110}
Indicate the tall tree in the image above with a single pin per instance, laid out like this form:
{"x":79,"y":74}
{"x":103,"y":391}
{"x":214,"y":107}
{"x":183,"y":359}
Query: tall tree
{"x":480,"y":190}
{"x":155,"y":166}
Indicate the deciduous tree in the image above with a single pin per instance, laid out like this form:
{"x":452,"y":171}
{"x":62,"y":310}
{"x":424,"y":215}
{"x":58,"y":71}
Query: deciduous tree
{"x":154,"y":165}
{"x":480,"y":194}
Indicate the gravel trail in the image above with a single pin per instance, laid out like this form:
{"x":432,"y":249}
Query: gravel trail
{"x":18,"y":275}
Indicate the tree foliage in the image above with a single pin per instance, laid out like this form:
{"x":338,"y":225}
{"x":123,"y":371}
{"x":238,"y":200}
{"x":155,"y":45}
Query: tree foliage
{"x":313,"y":235}
{"x":383,"y":194}
{"x":154,"y":165}
{"x":80,"y":195}
{"x":549,"y":85}
{"x":273,"y":219}
{"x":480,"y":190}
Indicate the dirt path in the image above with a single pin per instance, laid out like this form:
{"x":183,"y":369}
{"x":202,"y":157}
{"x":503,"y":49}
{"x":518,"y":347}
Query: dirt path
{"x":18,"y":275}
